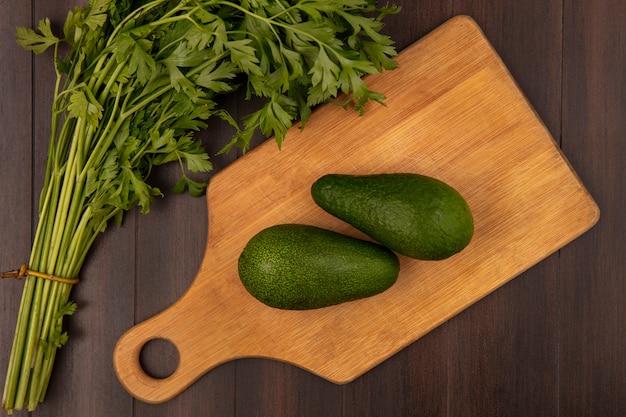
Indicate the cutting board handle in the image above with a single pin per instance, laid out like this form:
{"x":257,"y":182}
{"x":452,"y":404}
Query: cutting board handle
{"x":130,"y":372}
{"x":197,"y":354}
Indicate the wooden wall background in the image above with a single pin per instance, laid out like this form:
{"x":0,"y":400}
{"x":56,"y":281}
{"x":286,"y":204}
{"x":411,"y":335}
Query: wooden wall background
{"x":550,"y":343}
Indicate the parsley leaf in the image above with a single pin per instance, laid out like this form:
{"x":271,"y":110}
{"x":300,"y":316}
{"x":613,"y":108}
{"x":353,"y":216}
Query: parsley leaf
{"x":37,"y":42}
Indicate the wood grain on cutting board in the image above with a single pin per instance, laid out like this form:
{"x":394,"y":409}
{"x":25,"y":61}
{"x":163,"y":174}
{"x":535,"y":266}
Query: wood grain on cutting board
{"x":452,"y":112}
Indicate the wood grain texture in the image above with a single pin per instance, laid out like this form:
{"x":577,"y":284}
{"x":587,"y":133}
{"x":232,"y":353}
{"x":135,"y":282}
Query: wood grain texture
{"x":498,"y":341}
{"x":452,"y":112}
{"x":548,"y":343}
{"x":592,"y":292}
{"x":15,"y":169}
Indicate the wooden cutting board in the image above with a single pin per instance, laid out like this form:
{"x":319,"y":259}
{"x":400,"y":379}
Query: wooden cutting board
{"x":453,"y":112}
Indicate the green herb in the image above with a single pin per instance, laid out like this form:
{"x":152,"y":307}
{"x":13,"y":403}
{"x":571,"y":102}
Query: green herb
{"x":139,"y":79}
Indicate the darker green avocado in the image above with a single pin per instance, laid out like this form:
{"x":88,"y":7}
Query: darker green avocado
{"x":414,"y":215}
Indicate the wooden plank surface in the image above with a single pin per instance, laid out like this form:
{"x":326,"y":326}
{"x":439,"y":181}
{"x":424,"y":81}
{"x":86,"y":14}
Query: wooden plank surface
{"x":594,"y":125}
{"x":548,"y":343}
{"x":452,"y":112}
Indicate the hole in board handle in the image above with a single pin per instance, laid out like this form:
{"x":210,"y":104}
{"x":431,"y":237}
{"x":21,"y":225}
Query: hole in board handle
{"x":159,"y":358}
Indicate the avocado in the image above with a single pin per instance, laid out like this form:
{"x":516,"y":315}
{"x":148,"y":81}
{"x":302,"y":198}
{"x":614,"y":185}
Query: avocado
{"x":414,"y":215}
{"x":298,"y":267}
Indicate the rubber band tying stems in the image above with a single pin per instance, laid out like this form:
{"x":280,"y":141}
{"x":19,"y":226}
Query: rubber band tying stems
{"x":18,"y":274}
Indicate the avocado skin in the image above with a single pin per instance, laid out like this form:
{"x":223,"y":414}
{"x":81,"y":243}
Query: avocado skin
{"x":414,"y":215}
{"x":300,"y":267}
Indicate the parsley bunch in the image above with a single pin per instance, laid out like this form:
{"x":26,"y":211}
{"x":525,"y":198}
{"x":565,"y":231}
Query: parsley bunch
{"x":139,"y":79}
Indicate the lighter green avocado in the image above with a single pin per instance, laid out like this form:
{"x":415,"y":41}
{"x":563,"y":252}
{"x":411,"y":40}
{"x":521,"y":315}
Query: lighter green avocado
{"x":414,"y":215}
{"x":299,"y":267}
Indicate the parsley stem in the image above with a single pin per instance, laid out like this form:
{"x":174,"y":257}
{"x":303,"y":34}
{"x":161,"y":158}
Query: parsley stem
{"x":64,"y":202}
{"x":103,"y":73}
